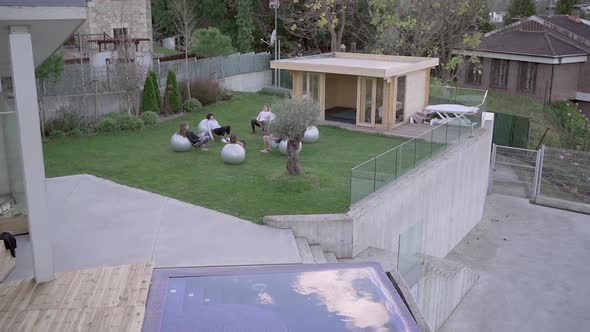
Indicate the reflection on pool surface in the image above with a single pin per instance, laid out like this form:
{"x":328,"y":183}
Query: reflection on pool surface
{"x":339,"y":298}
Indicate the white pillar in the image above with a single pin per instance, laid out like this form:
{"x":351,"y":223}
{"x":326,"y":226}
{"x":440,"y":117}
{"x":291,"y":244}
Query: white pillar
{"x":25,"y":95}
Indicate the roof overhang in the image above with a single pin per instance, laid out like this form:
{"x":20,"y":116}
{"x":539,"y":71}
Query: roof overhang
{"x":49,"y":26}
{"x":356,"y":64}
{"x":550,"y":60}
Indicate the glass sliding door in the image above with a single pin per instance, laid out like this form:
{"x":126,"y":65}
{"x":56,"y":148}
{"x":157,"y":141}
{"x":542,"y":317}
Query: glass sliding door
{"x":311,"y":86}
{"x":380,"y":110}
{"x":371,"y":108}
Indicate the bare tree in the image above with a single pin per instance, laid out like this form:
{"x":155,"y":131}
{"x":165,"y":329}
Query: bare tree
{"x":293,"y":117}
{"x":184,"y":18}
{"x":127,"y":77}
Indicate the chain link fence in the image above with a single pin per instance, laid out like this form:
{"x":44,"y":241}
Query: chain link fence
{"x":513,"y":171}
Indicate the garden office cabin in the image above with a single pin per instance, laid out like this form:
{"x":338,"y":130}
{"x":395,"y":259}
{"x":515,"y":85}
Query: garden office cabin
{"x":363,"y":89}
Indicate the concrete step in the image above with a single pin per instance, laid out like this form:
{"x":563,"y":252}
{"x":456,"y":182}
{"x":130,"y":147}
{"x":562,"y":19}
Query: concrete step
{"x":304,"y":250}
{"x":318,"y":254}
{"x":387,"y":259}
{"x":330,"y":257}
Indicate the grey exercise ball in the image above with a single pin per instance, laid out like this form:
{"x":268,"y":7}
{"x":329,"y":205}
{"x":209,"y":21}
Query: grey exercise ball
{"x":180,"y":143}
{"x":202,"y":127}
{"x":283,"y":147}
{"x":273,"y":144}
{"x":233,"y":154}
{"x":312,"y":135}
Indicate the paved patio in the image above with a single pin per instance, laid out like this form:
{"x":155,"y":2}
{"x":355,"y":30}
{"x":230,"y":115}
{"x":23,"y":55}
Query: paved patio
{"x":97,"y":222}
{"x":533,"y":266}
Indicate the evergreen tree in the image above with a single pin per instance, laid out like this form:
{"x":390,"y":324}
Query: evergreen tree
{"x":163,"y":18}
{"x":152,"y":76}
{"x":520,"y":8}
{"x":150,"y":101}
{"x":211,"y":43}
{"x":565,"y":6}
{"x":172,"y":99}
{"x":245,"y":22}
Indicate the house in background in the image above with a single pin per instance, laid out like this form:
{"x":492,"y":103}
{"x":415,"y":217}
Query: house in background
{"x":110,"y":21}
{"x":542,"y":56}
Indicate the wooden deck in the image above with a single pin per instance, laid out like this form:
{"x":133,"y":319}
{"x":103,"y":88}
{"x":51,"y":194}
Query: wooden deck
{"x":103,"y":299}
{"x":406,"y":130}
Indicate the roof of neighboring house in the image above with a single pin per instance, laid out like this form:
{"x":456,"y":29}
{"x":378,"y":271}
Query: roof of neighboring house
{"x":530,"y":43}
{"x":555,"y":36}
{"x":61,"y":3}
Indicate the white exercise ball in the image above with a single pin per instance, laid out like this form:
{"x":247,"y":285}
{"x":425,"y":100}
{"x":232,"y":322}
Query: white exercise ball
{"x":180,"y":143}
{"x":202,"y":127}
{"x":312,"y":135}
{"x":233,"y":154}
{"x":273,"y":144}
{"x":283,"y":147}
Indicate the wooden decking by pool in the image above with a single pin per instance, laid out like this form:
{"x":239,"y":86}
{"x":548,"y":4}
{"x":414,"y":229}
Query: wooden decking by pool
{"x":406,"y":130}
{"x":102,"y":299}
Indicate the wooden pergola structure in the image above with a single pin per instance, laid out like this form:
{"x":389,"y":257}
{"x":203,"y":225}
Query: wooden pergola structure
{"x":362,"y":89}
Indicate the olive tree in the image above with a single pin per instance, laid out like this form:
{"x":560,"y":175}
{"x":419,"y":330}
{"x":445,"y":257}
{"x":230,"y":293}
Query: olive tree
{"x":293,"y":117}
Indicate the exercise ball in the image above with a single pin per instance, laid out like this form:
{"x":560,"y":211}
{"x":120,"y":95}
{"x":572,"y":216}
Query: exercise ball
{"x":202,"y":127}
{"x":180,"y":143}
{"x":233,"y":154}
{"x":312,"y":135}
{"x":273,"y":144}
{"x":283,"y":147}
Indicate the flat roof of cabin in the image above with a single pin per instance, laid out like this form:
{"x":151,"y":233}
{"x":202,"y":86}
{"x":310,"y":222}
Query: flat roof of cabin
{"x":357,"y":64}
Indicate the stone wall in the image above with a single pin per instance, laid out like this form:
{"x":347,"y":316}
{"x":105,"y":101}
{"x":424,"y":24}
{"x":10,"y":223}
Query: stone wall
{"x":135,"y":15}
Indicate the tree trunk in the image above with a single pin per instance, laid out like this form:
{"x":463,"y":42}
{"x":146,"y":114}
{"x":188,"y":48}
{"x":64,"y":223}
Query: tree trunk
{"x":188,"y":79}
{"x":293,"y":166}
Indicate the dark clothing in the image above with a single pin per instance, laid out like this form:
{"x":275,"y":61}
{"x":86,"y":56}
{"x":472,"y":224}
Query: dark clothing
{"x":197,"y":140}
{"x":222,"y":131}
{"x":255,"y":123}
{"x":9,"y":242}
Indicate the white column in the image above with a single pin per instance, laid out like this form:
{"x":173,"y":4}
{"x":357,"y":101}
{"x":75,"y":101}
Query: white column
{"x":25,"y":95}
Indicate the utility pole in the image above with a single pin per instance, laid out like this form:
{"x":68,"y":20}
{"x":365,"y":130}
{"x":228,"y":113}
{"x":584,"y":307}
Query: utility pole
{"x":275,"y":4}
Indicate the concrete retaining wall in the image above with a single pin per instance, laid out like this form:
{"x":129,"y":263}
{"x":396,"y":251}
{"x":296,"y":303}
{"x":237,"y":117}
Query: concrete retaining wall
{"x":333,"y":232}
{"x":251,"y":82}
{"x":107,"y":103}
{"x":442,"y":288}
{"x":446,"y":194}
{"x":562,"y":204}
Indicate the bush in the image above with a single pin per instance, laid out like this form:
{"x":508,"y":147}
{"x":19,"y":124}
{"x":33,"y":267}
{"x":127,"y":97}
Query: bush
{"x":57,"y":134}
{"x":150,"y":100}
{"x":575,"y":131}
{"x":273,"y":91}
{"x":156,"y":85}
{"x":172,"y":100}
{"x":76,"y":133}
{"x":206,"y":91}
{"x":192,"y":105}
{"x":226,"y":94}
{"x":67,"y":120}
{"x":107,"y":125}
{"x":119,"y":121}
{"x":149,"y":118}
{"x":211,"y":42}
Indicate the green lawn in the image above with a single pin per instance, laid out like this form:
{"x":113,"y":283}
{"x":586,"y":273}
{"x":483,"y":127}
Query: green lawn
{"x":252,"y":190}
{"x":164,"y":51}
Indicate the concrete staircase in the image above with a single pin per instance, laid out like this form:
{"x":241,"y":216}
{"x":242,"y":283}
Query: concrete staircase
{"x":313,"y":254}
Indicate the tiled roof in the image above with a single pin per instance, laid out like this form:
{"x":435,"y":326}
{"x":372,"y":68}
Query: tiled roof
{"x":529,"y":43}
{"x":581,"y":29}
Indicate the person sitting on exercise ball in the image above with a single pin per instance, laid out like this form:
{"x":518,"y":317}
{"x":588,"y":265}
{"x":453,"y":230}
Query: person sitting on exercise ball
{"x":263,"y":118}
{"x":199,"y":141}
{"x":215,"y":128}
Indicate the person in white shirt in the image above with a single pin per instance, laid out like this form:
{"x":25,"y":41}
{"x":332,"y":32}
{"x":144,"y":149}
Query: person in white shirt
{"x":263,"y":118}
{"x":214,"y":128}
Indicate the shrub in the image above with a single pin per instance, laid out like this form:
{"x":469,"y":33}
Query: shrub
{"x":575,"y":131}
{"x":192,"y":105}
{"x":150,"y":100}
{"x":107,"y":125}
{"x":172,"y":96}
{"x":149,"y":118}
{"x":57,"y":134}
{"x":273,"y":91}
{"x":119,"y":121}
{"x":156,"y":85}
{"x":211,"y":42}
{"x":226,"y":94}
{"x":67,"y":119}
{"x":206,"y":91}
{"x":76,"y":133}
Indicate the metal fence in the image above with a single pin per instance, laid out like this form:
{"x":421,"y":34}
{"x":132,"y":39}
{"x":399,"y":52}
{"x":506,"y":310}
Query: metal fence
{"x":213,"y":68}
{"x":565,"y":175}
{"x":391,"y":165}
{"x":513,"y":171}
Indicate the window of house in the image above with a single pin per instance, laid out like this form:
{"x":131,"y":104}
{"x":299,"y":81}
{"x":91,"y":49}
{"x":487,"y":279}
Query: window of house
{"x":499,"y":73}
{"x":527,"y":76}
{"x":473,"y":74}
{"x":119,"y":33}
